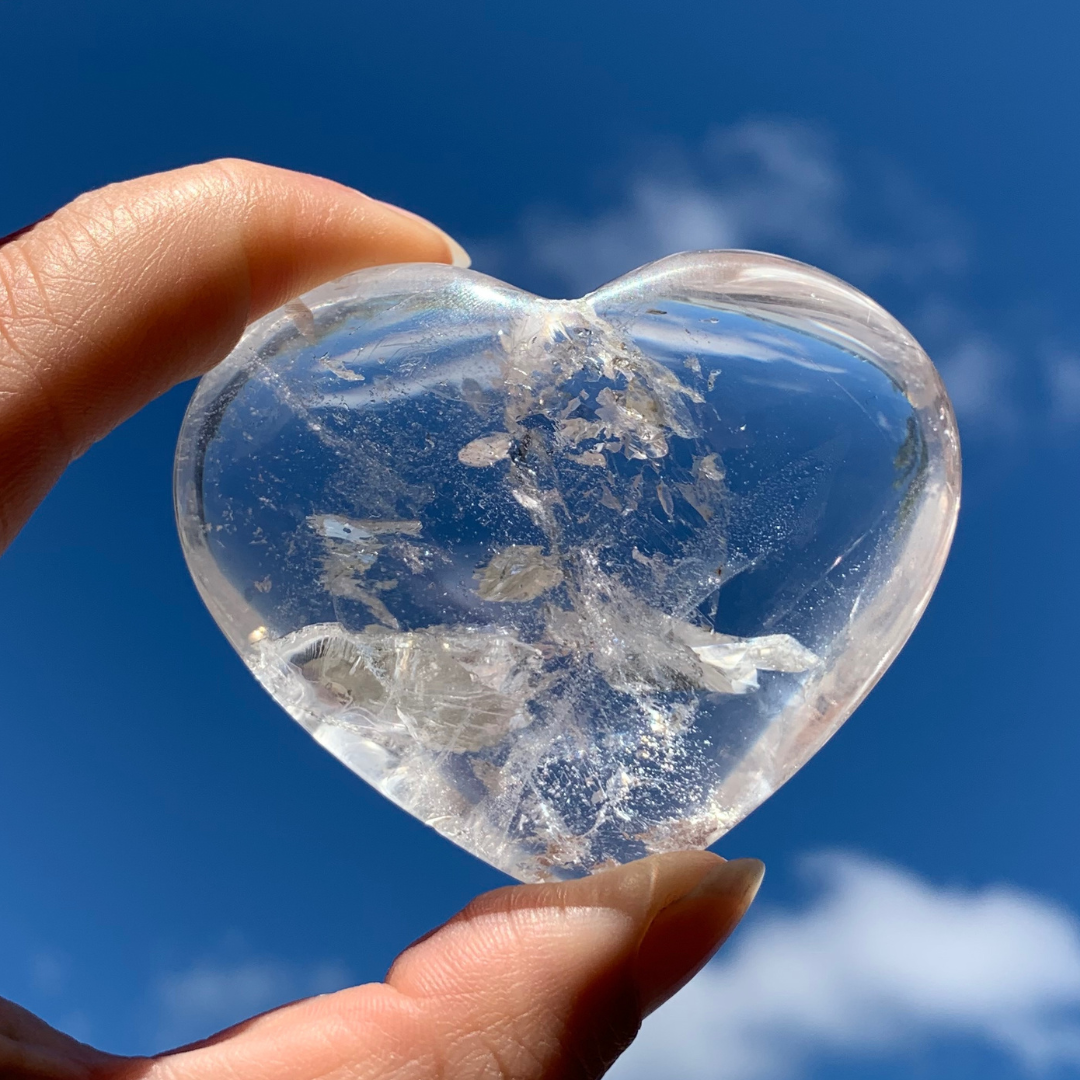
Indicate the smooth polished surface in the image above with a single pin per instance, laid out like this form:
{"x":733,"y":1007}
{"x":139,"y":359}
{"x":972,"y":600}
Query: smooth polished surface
{"x":572,"y":581}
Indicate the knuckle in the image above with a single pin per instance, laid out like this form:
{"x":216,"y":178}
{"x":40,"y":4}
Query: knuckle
{"x":235,"y":179}
{"x":123,"y":210}
{"x":239,"y":171}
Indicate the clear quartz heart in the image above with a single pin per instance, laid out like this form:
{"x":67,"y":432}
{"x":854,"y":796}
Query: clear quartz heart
{"x":571,"y":581}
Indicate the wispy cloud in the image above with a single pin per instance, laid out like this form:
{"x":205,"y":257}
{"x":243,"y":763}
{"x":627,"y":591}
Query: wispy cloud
{"x":762,"y":184}
{"x":210,"y":995}
{"x":788,"y":187}
{"x":879,"y":962}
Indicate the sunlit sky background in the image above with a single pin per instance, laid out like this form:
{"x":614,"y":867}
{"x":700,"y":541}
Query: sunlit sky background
{"x":175,"y":853}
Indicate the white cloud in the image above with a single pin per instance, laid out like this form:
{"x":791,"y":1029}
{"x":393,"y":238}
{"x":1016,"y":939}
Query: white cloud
{"x":209,"y":996}
{"x":773,"y":185}
{"x":786,"y":187}
{"x":978,"y":374}
{"x":657,"y":219}
{"x":879,"y":962}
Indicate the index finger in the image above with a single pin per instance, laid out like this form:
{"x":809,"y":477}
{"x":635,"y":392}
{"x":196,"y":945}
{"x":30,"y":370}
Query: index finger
{"x":135,"y":287}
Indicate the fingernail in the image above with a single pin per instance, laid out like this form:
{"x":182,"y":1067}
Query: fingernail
{"x":684,"y":935}
{"x":458,"y":255}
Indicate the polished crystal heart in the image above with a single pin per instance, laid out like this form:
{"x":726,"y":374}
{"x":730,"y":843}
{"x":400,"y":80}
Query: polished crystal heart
{"x":571,"y":581}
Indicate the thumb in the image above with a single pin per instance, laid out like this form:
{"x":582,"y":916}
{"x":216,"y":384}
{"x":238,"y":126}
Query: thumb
{"x":532,"y":982}
{"x":553,"y":981}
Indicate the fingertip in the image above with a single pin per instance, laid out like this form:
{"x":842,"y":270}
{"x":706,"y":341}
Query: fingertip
{"x":685,"y":934}
{"x":646,"y":886}
{"x":553,"y":980}
{"x":458,"y":256}
{"x":307,"y":229}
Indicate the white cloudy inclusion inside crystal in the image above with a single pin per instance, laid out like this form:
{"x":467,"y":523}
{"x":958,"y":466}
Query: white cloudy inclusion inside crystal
{"x":566,"y":580}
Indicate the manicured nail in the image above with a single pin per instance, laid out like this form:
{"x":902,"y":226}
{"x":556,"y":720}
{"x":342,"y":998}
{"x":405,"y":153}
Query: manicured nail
{"x":686,"y":933}
{"x":458,"y":255}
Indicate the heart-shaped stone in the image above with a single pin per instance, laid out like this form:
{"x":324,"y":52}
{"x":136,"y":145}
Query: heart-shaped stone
{"x":571,"y":581}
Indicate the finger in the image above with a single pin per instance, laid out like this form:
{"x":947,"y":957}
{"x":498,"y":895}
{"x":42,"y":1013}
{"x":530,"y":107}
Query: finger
{"x":128,"y":290}
{"x":31,"y":1050}
{"x":529,"y":982}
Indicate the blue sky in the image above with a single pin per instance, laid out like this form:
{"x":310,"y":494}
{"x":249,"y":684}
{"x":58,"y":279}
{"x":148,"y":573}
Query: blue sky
{"x":175,"y":852}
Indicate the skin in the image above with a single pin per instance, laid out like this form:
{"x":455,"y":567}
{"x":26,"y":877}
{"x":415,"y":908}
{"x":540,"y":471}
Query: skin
{"x":111,"y":301}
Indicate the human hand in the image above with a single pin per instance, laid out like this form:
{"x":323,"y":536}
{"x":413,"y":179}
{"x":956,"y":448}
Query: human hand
{"x":107,"y":304}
